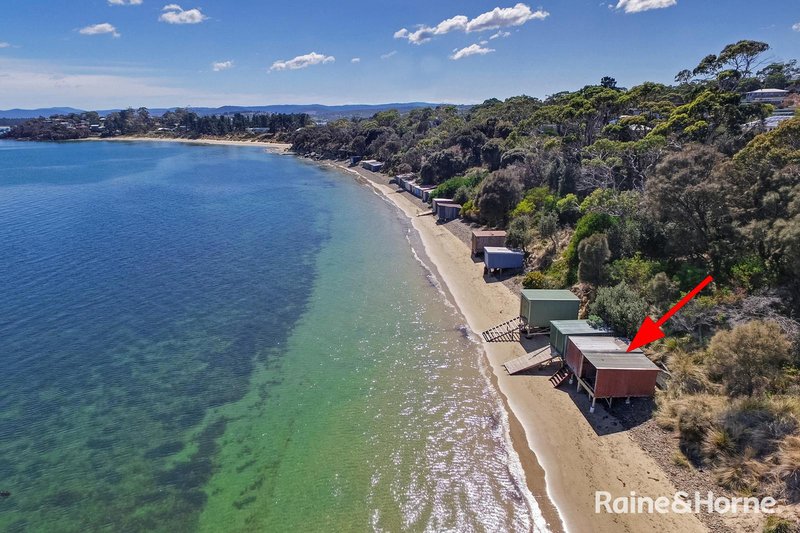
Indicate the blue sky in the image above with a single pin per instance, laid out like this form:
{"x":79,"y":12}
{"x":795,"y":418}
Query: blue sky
{"x":114,"y":53}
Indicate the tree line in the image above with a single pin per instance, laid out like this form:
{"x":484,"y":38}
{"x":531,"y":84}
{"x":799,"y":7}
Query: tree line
{"x":176,"y":123}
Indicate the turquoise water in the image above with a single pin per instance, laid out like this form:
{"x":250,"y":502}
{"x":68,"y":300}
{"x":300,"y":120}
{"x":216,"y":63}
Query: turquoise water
{"x":220,"y":339}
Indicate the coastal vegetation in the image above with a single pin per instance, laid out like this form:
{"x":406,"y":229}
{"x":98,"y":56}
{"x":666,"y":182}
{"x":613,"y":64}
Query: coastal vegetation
{"x":178,"y":123}
{"x":631,"y":196}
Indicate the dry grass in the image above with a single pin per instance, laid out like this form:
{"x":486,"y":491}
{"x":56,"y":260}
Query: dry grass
{"x":688,"y":375}
{"x":678,"y":459}
{"x":776,"y":524}
{"x":787,"y":469}
{"x":741,"y":474}
{"x":718,"y":443}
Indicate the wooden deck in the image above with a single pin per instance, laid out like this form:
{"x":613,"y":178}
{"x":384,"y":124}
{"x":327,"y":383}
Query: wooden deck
{"x":529,"y":361}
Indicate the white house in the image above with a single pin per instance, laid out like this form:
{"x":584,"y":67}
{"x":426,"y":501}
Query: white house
{"x":767,"y":96}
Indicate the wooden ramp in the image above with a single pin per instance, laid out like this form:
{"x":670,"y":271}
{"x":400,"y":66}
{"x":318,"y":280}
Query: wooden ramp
{"x":530,"y":361}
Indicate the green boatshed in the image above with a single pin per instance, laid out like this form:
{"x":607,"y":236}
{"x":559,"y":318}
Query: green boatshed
{"x":539,"y":307}
{"x":562,"y":330}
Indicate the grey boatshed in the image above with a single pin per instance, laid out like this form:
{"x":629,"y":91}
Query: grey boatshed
{"x":539,"y":307}
{"x":372,"y":165}
{"x":501,"y":258}
{"x":435,"y":202}
{"x":446,"y":211}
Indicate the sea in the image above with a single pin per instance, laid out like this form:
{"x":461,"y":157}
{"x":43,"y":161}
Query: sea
{"x":223,"y":339}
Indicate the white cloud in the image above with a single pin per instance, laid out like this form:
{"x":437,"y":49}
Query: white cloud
{"x":471,"y":50}
{"x":175,"y":14}
{"x":637,"y":6}
{"x":505,"y":18}
{"x":125,"y":2}
{"x":497,"y":18}
{"x":356,"y":60}
{"x":99,"y":29}
{"x":500,"y":35}
{"x":389,"y":54}
{"x":303,"y":61}
{"x":5,"y":45}
{"x":796,"y":27}
{"x":221,"y":65}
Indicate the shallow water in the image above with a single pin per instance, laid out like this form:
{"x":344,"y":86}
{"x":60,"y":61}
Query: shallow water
{"x":216,"y":338}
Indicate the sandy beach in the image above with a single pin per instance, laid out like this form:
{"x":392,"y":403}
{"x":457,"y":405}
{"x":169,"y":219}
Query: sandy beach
{"x":567,"y":453}
{"x":271,"y":146}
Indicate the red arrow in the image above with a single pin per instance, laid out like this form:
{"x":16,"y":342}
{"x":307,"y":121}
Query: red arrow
{"x":651,"y":331}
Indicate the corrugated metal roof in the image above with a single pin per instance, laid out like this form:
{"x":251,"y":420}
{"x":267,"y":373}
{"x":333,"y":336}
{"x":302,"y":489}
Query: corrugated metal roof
{"x":620,"y":361}
{"x":601,"y":344}
{"x":500,"y":250}
{"x":577,"y":327}
{"x":545,"y":294}
{"x":488,"y":233}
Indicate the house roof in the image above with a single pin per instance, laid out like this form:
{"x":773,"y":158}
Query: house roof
{"x":761,"y":91}
{"x":601,"y":344}
{"x":488,"y":233}
{"x":577,"y":327}
{"x":620,"y":361}
{"x":544,"y":294}
{"x":500,"y":250}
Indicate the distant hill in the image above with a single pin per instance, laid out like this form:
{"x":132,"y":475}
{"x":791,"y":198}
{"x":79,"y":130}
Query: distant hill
{"x":34,"y":113}
{"x":318,"y":111}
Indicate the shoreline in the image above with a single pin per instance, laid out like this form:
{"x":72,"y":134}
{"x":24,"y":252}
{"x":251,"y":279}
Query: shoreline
{"x":268,"y":145}
{"x":566,"y":454}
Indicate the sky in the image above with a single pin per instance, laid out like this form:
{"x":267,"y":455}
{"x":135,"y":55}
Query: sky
{"x":98,"y":54}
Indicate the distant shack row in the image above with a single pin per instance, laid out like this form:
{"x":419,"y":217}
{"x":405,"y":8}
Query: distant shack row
{"x":491,"y":244}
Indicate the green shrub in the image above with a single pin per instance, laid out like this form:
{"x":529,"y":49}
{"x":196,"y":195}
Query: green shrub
{"x":537,"y":280}
{"x":448,"y":188}
{"x":750,"y":273}
{"x":463,"y":195}
{"x":595,"y":321}
{"x":661,"y":291}
{"x":621,"y":307}
{"x":469,"y":210}
{"x":558,"y":272}
{"x":518,"y":234}
{"x":568,"y":209}
{"x":588,"y":224}
{"x":635,"y":271}
{"x":534,"y":200}
{"x":689,"y":276}
{"x":593,"y":253}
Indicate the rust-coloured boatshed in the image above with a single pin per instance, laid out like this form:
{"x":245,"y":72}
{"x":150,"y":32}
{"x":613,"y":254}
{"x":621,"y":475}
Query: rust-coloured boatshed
{"x":483,"y":238}
{"x":606,"y":371}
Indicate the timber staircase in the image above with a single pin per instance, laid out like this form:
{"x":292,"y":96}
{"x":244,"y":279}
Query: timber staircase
{"x":508,"y":331}
{"x":561,"y":376}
